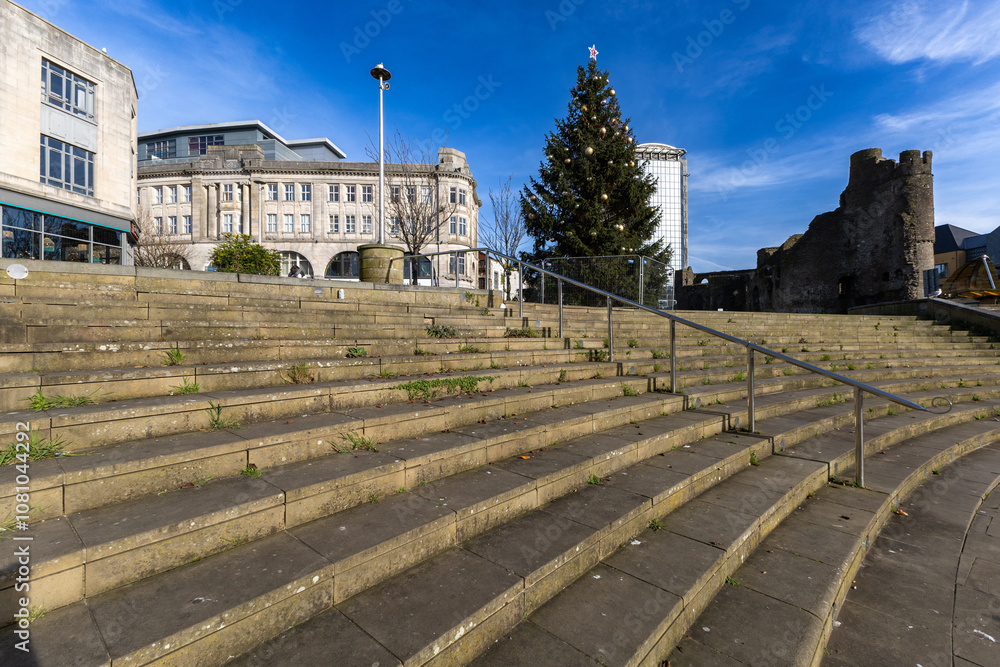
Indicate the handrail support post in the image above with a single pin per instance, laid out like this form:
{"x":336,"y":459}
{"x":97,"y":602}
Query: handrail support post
{"x":859,"y":437}
{"x":673,"y":357}
{"x":751,"y":407}
{"x":559,"y":283}
{"x":611,"y":333}
{"x":520,"y":289}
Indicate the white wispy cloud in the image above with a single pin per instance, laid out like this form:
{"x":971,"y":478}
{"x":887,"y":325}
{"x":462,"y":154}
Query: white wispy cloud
{"x":919,"y":29}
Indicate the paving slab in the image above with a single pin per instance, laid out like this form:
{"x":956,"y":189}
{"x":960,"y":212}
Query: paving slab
{"x":424,"y":610}
{"x":876,"y":638}
{"x":316,"y":642}
{"x":527,"y":644}
{"x":789,"y":577}
{"x":675,"y":563}
{"x":730,"y":625}
{"x":609,"y":615}
{"x":66,"y":637}
{"x":180,"y":607}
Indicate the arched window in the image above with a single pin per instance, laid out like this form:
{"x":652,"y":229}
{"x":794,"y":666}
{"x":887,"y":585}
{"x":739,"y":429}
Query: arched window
{"x":424,"y":270}
{"x":343,"y":265}
{"x":288,"y":258}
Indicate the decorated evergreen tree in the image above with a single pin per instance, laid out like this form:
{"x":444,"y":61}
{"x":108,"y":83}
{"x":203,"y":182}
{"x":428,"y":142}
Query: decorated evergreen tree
{"x":591,"y":197}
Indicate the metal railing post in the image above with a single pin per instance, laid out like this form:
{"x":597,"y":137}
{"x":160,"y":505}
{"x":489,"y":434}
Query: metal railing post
{"x":859,"y":437}
{"x":751,"y":403}
{"x":456,"y":270}
{"x":611,"y":333}
{"x":673,"y":357}
{"x":559,"y":283}
{"x":520,"y":289}
{"x":542,"y":278}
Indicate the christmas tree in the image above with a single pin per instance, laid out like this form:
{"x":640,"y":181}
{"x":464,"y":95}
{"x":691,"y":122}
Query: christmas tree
{"x":591,"y":197}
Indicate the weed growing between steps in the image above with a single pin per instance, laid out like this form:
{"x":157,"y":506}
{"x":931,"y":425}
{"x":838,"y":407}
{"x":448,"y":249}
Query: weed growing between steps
{"x":526,"y":332}
{"x":174,"y":356}
{"x":441,"y":331}
{"x":185,"y":388}
{"x":40,"y":402}
{"x":38,"y":448}
{"x":251,"y":471}
{"x":217,"y":421}
{"x":428,"y":389}
{"x":356,"y":352}
{"x":300,"y":373}
{"x":354,"y":441}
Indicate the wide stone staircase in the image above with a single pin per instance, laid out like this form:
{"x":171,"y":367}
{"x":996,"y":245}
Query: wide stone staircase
{"x":235,"y":469}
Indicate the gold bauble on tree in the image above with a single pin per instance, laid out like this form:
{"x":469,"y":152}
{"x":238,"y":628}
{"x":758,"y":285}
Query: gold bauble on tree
{"x":604,"y":197}
{"x":604,"y":130}
{"x":567,"y":160}
{"x":589,"y":150}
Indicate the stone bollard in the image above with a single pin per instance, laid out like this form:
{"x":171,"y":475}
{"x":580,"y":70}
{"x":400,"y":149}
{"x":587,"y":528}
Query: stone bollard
{"x":375,"y":264}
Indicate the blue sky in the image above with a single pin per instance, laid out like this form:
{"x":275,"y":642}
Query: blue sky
{"x":768,"y":98}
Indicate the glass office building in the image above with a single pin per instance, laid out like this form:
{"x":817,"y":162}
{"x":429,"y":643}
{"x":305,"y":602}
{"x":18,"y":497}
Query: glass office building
{"x":669,"y":167}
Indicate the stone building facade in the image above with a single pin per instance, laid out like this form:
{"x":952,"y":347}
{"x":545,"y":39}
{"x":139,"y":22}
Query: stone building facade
{"x":67,"y":145}
{"x":874,"y":247}
{"x":198,"y":183}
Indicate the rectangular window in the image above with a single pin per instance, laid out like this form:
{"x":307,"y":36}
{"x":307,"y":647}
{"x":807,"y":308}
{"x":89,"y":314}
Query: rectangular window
{"x":68,"y":91}
{"x":366,"y":224}
{"x":350,"y":193}
{"x":227,"y":192}
{"x":334,"y":224}
{"x":461,"y":196}
{"x":158,"y":222}
{"x":394,"y":226}
{"x":272,"y":192}
{"x":68,"y":167}
{"x":453,"y":225}
{"x":157,"y":195}
{"x":395,"y":193}
{"x":272,"y":222}
{"x":307,"y":193}
{"x":172,"y":224}
{"x":461,"y":264}
{"x":290,"y":192}
{"x":453,"y":196}
{"x":334,"y":193}
{"x":199,"y":145}
{"x":462,"y":229}
{"x":187,"y":194}
{"x":349,"y":226}
{"x":289,"y":223}
{"x":227,"y":223}
{"x":366,"y":193}
{"x":411,"y":194}
{"x":425,"y":195}
{"x":187,"y":224}
{"x":429,"y":224}
{"x":162,"y":150}
{"x":305,"y":223}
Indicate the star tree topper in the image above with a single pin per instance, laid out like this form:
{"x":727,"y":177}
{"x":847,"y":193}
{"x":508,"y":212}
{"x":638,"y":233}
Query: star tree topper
{"x":593,"y":52}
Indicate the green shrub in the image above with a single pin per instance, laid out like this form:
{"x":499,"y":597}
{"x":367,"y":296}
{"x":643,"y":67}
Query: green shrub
{"x":239,"y":254}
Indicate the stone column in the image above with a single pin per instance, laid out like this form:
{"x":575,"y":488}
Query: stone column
{"x":375,"y":268}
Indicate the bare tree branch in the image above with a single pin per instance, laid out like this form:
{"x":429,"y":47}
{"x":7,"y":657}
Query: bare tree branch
{"x":506,"y":233}
{"x":414,"y":209}
{"x":157,"y":248}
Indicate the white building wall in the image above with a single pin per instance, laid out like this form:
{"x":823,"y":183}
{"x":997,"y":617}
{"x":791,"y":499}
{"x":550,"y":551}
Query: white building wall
{"x":25,"y":39}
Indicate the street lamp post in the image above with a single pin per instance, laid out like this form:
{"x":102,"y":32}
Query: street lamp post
{"x":382,"y":75}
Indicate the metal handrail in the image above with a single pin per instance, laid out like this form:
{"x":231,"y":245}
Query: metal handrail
{"x":859,"y":387}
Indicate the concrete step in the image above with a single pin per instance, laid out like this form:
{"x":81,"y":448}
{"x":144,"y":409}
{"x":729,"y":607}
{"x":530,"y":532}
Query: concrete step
{"x":659,"y":584}
{"x":800,"y":575}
